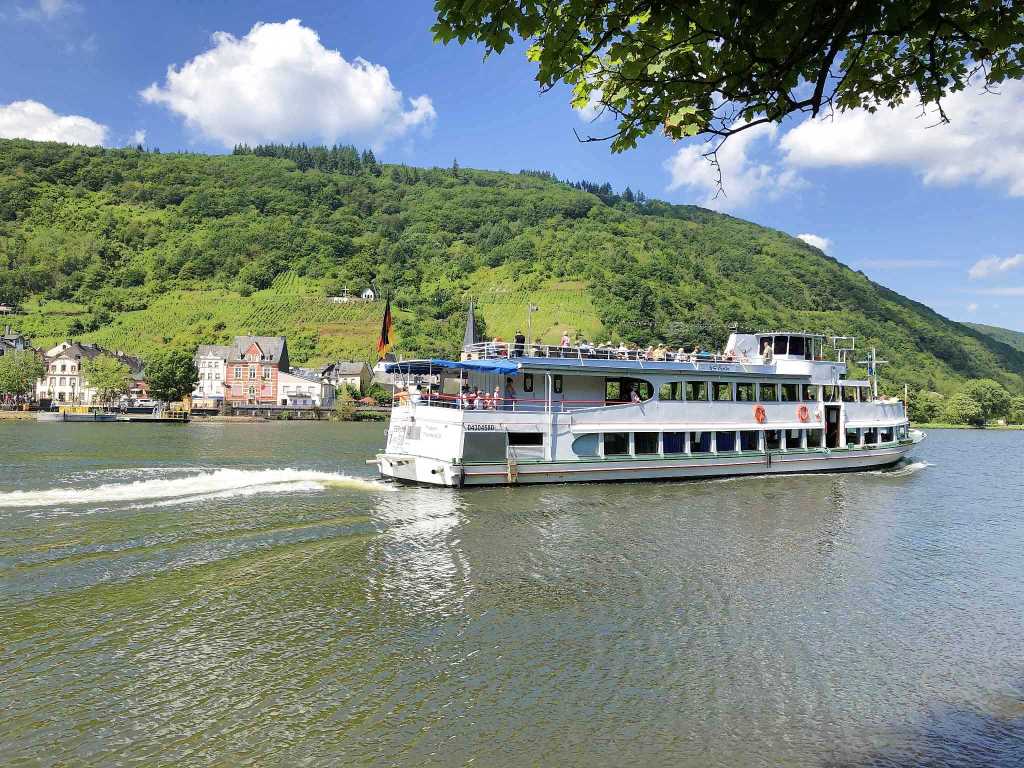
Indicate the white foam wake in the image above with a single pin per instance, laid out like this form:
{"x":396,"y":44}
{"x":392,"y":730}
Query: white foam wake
{"x":904,"y":470}
{"x":220,"y":483}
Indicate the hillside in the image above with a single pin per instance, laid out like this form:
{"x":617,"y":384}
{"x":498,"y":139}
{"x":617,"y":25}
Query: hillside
{"x":1013,"y":339}
{"x":136,"y":249}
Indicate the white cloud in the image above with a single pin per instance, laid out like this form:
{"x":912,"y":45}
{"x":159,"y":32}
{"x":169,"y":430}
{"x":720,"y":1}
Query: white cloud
{"x":279,"y":83}
{"x":744,"y":179}
{"x":593,"y":109}
{"x":32,"y":120}
{"x":982,"y":144}
{"x":819,"y":242}
{"x":139,"y":137}
{"x":50,"y":8}
{"x":994,"y":266}
{"x":972,"y":307}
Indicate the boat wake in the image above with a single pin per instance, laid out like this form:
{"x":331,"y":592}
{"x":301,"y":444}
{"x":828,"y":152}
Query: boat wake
{"x":903,"y":470}
{"x":220,"y":483}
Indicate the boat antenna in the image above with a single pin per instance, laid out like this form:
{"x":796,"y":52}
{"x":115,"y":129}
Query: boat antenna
{"x":872,"y":363}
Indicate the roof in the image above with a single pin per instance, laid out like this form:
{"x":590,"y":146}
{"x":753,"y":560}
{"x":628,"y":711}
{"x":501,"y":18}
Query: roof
{"x":273,"y":346}
{"x":345,"y":368}
{"x":299,"y":373}
{"x":78,"y":350}
{"x":222,"y":351}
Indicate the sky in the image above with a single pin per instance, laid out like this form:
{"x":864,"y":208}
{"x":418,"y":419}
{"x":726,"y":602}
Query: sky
{"x":935,"y":212}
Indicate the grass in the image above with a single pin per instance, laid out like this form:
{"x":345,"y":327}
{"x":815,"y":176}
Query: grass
{"x":943,"y":425}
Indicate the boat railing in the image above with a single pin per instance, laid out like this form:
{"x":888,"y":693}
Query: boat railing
{"x":500,"y":404}
{"x":489,"y":350}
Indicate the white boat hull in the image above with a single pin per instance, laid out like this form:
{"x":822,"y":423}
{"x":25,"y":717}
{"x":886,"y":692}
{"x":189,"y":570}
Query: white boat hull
{"x":432,"y":471}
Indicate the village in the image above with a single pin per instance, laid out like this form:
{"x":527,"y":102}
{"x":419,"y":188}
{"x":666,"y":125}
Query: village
{"x":249,"y":378}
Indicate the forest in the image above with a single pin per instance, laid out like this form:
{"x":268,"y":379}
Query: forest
{"x":140,"y":249}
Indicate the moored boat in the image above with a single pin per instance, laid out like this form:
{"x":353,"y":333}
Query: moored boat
{"x":771,"y":403}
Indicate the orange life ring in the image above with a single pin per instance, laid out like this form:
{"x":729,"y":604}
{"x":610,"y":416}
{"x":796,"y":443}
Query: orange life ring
{"x":803,"y":413}
{"x":759,"y":414}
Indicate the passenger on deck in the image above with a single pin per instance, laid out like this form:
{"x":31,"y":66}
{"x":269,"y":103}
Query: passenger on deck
{"x":634,"y":394}
{"x":520,"y":345}
{"x":696,"y":353}
{"x":566,"y":341}
{"x":660,"y":353}
{"x":623,"y":351}
{"x":496,"y":399}
{"x":479,"y":400}
{"x":767,"y":354}
{"x":681,"y":355}
{"x":510,"y":393}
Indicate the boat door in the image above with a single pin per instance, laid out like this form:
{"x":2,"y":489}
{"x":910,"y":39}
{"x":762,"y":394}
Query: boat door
{"x":831,"y":426}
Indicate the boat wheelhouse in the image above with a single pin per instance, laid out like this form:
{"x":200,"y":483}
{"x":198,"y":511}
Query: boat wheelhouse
{"x":507,"y":414}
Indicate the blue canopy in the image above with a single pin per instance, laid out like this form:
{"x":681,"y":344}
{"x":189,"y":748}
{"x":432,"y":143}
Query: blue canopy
{"x":434,"y":365}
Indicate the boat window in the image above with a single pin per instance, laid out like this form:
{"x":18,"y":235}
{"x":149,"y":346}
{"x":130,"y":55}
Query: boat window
{"x":849,"y":394}
{"x":721,"y":390}
{"x":769,"y":392}
{"x":671,"y":390}
{"x":865,"y":394}
{"x":556,"y":383}
{"x":674,"y":442}
{"x":780,"y":345}
{"x":852,"y":436}
{"x":796,"y":345}
{"x":886,"y":436}
{"x":613,"y":390}
{"x":585,"y":445}
{"x":772,"y":439}
{"x":901,"y":432}
{"x":725,"y":441}
{"x":814,"y":438}
{"x":748,"y":440}
{"x":645,"y":443}
{"x":794,"y":438}
{"x":696,"y":390}
{"x":790,"y":393}
{"x":810,"y":393}
{"x":616,"y":443}
{"x":526,"y":438}
{"x":484,"y":446}
{"x":527,"y":382}
{"x":700,"y":442}
{"x":871,"y":436}
{"x":745,"y":392}
{"x":831,"y":393}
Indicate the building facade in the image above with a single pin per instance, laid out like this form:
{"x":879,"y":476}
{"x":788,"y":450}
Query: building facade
{"x":348,"y":374}
{"x":212,"y":363}
{"x":64,"y":381}
{"x":253,"y":370}
{"x":305,"y":389}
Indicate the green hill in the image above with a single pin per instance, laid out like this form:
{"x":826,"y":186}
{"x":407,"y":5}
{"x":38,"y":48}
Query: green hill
{"x":136,"y":249}
{"x":1013,"y":339}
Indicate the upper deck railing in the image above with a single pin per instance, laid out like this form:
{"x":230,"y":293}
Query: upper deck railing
{"x":487,"y":350}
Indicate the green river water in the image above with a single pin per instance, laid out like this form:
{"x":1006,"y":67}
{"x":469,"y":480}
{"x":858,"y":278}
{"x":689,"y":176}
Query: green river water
{"x":251,"y":595}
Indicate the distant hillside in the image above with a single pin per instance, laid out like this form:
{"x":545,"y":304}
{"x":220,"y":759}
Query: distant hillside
{"x":136,"y":249}
{"x":1013,"y":339}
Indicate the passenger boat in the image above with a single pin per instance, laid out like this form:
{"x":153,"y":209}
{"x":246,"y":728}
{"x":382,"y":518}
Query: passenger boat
{"x":771,"y":403}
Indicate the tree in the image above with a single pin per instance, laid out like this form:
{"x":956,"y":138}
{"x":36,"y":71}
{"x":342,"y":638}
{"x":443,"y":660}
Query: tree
{"x":962,"y":409}
{"x":19,"y":371}
{"x":171,"y":374}
{"x":717,"y":67}
{"x":925,"y":406}
{"x":1016,"y":414}
{"x":990,"y":395}
{"x":107,"y":375}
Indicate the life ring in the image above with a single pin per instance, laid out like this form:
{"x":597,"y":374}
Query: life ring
{"x":803,"y":413}
{"x":759,"y":414}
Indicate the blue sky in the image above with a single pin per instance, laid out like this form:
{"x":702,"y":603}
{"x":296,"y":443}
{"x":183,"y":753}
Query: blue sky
{"x":932,"y":212}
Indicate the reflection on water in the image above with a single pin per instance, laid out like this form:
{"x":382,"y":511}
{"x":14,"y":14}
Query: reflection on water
{"x":252,"y":596}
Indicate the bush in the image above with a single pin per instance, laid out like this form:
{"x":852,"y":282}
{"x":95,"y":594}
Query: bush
{"x":963,"y":409}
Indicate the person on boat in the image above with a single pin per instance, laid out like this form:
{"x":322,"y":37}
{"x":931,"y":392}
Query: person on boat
{"x":681,"y":354}
{"x":634,"y":394}
{"x":767,"y":354}
{"x":496,"y":404}
{"x":565,"y":342}
{"x":478,"y":399}
{"x":510,"y":393}
{"x":623,"y":351}
{"x":520,"y":344}
{"x":660,"y":352}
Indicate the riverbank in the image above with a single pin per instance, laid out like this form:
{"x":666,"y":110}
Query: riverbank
{"x":941,"y":425}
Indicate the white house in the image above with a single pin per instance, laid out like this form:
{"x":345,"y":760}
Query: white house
{"x":304,"y":389}
{"x":64,"y":382}
{"x":368,"y":294}
{"x":347,"y":374}
{"x":212,"y":362}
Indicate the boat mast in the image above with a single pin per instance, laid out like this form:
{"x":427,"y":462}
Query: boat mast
{"x":872,"y":363}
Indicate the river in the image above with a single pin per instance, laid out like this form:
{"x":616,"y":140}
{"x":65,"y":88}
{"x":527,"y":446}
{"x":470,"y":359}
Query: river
{"x":250,"y":594}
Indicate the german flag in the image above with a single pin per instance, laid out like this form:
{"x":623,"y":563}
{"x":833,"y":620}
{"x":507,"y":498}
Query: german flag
{"x":386,"y":339}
